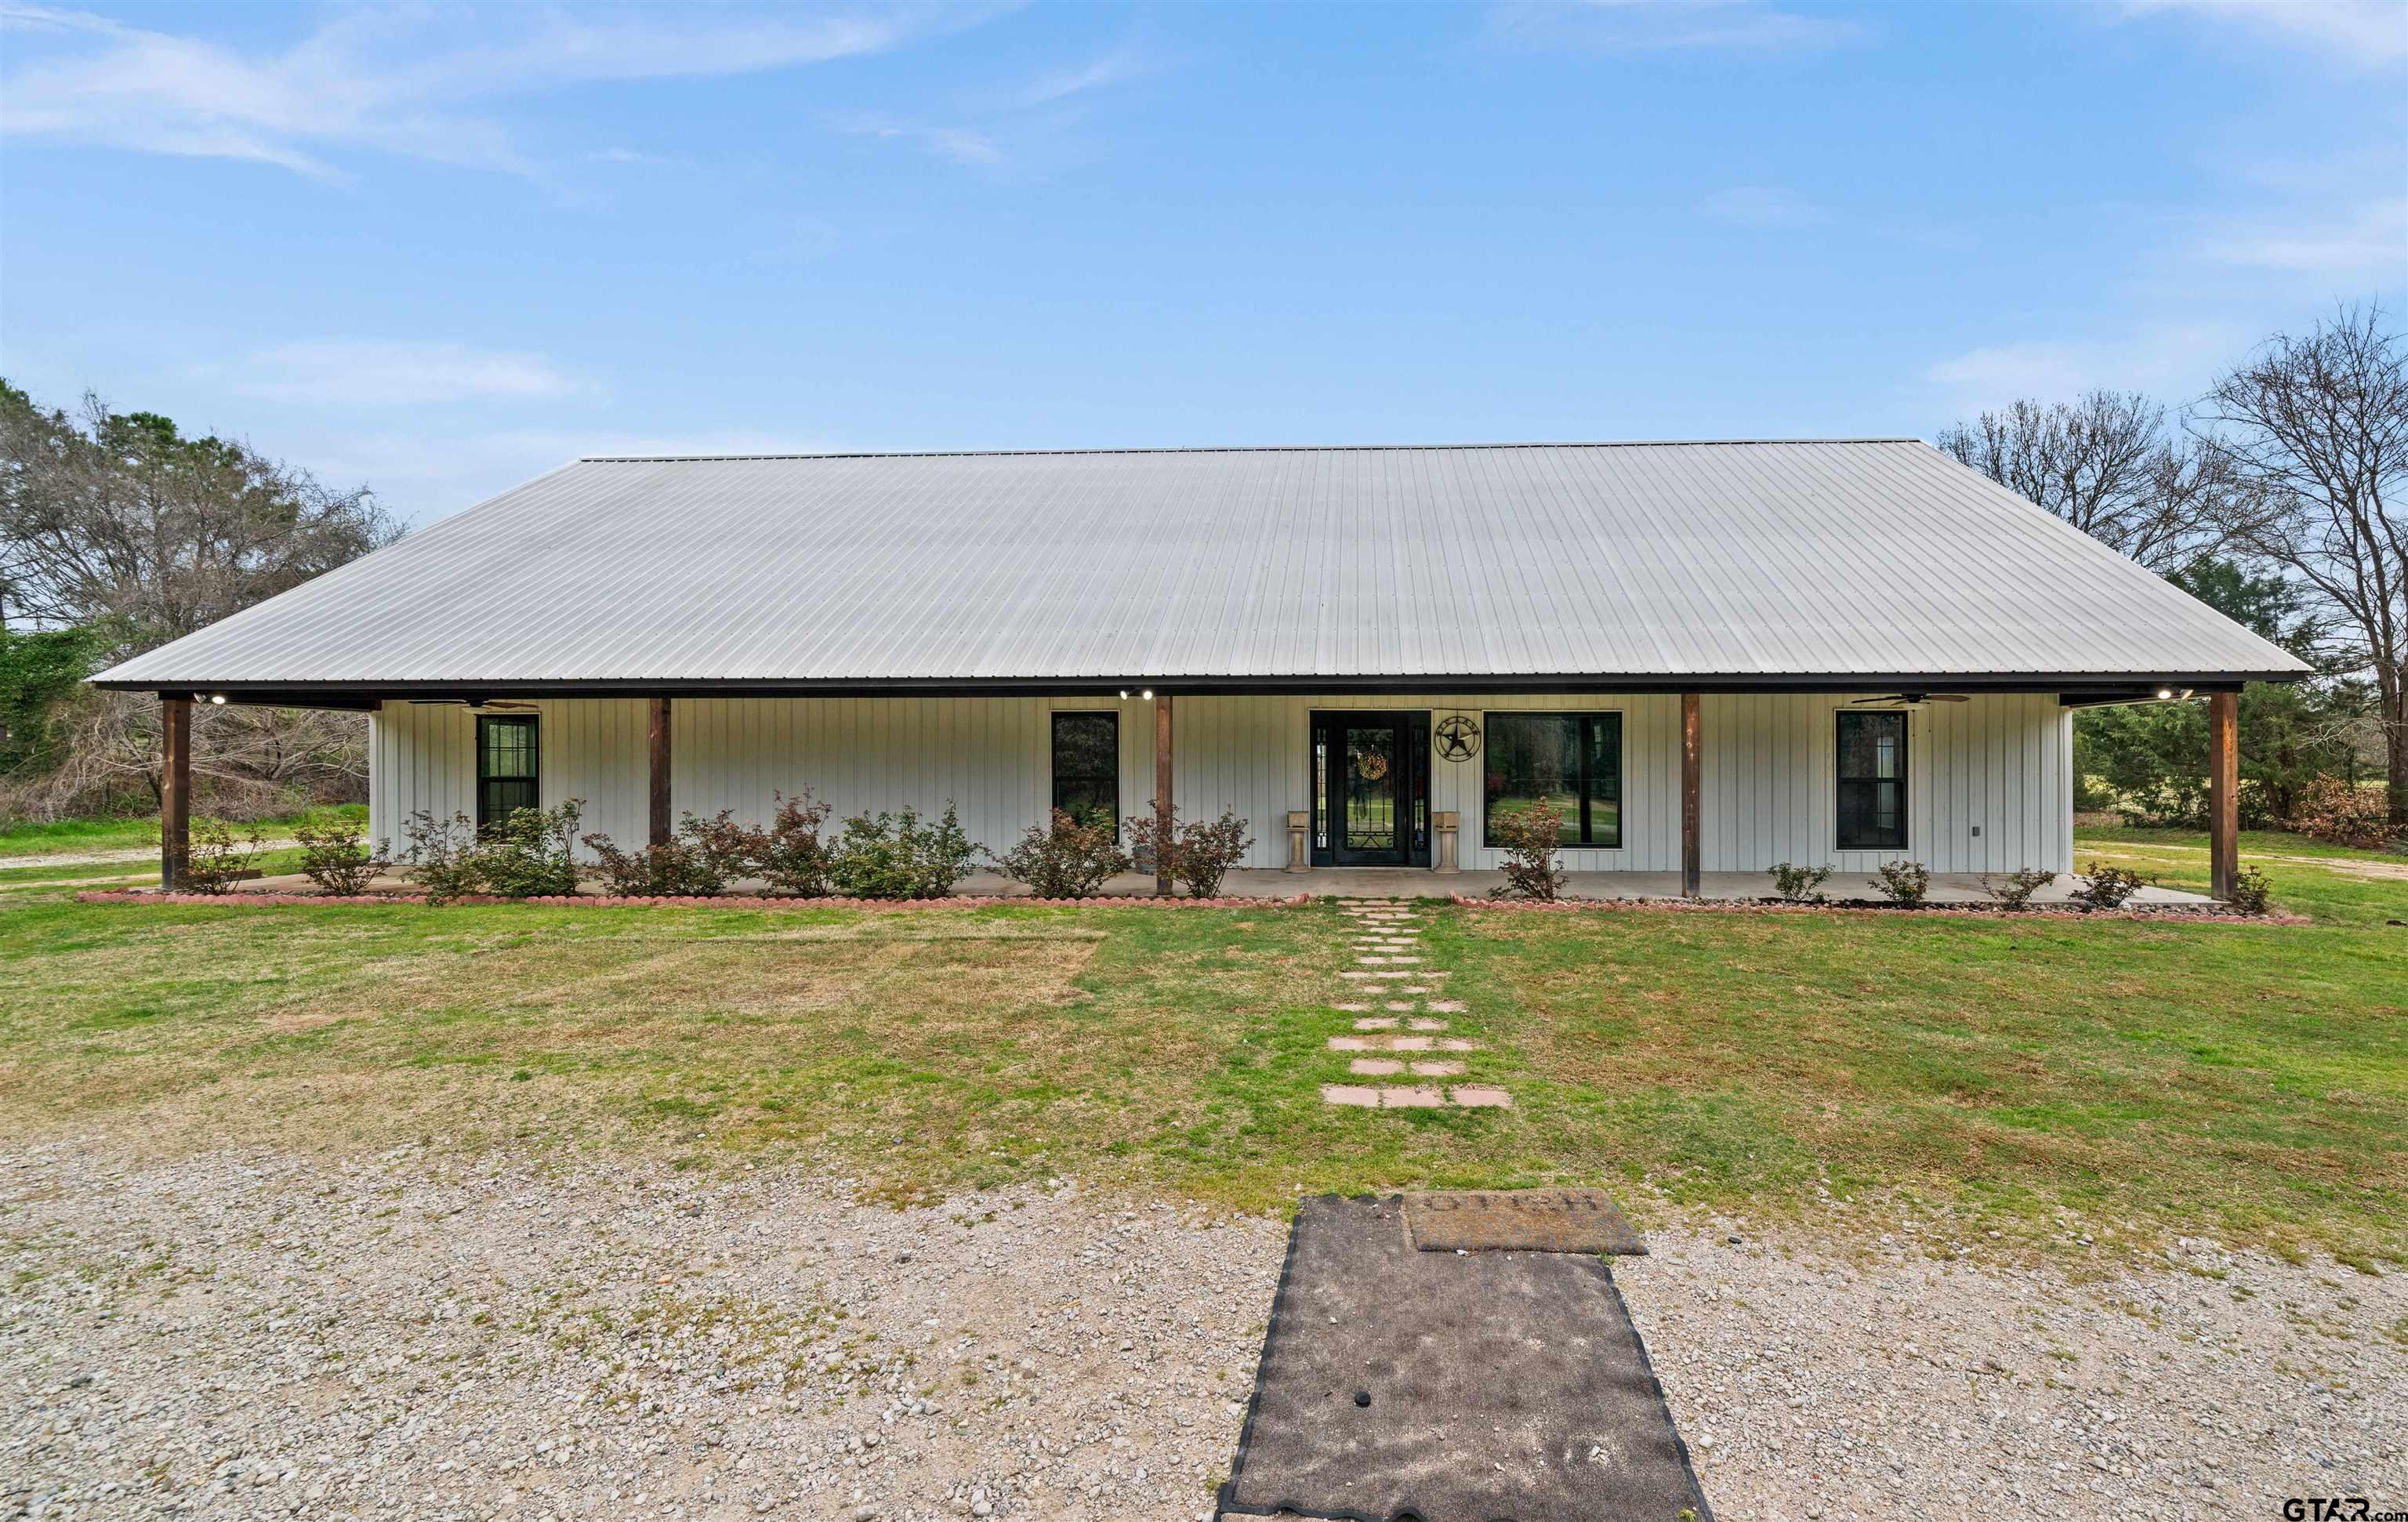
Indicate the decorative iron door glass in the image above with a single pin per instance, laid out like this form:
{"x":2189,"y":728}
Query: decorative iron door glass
{"x":1372,"y":774}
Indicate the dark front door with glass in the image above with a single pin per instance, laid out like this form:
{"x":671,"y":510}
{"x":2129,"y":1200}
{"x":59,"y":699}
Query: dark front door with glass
{"x":1370,"y":789}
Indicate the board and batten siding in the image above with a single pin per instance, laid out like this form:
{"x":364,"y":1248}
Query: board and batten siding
{"x":1989,"y":788}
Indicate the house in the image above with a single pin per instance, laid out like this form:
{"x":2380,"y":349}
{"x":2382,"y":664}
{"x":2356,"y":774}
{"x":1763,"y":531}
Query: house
{"x":1714,"y":655}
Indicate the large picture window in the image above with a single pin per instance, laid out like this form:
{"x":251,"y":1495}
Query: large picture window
{"x":1572,"y":760}
{"x":1872,"y":781}
{"x":507,"y":768}
{"x":1087,"y":766}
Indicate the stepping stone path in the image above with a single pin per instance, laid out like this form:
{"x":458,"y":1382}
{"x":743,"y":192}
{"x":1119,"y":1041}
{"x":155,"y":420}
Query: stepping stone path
{"x":1404,"y":1039}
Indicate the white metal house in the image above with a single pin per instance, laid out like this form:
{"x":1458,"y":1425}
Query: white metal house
{"x":1712,"y":655}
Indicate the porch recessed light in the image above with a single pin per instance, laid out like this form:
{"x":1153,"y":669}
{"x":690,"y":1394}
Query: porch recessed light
{"x":2164,"y":692}
{"x":1148,"y":693}
{"x":218,"y":698}
{"x":1124,"y":694}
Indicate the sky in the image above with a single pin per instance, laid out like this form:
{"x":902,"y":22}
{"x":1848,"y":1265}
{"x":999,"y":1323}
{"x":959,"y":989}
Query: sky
{"x":438,"y":250}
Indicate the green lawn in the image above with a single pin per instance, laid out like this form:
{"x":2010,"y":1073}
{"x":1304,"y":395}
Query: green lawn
{"x":69,"y":834}
{"x":2245,"y":1081}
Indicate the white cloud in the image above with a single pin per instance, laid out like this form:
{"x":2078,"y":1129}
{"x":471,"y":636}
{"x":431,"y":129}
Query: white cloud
{"x":1762,"y":205}
{"x":2371,"y":241}
{"x":959,"y":144}
{"x":1658,"y":25}
{"x":390,"y":82}
{"x":1016,"y":115}
{"x":1122,"y":64}
{"x":2173,"y":360}
{"x":368,"y":374}
{"x":2356,"y":32}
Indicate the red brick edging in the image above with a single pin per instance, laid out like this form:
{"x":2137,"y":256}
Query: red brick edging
{"x":1745,"y":906}
{"x":595,"y":900}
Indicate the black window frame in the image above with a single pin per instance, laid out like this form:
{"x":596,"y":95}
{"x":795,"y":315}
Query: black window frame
{"x":1053,"y":759}
{"x":1588,"y":719}
{"x":1842,"y":781}
{"x":486,"y":815}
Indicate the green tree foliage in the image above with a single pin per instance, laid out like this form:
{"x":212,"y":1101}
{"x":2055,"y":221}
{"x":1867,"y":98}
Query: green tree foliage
{"x":39,"y":670}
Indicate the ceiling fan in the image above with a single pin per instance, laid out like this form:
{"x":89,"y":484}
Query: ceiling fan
{"x":1892,"y":699}
{"x":476,"y":705}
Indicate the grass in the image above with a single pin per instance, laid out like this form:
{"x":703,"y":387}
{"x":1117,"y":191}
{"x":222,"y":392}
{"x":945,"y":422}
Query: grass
{"x":60,"y":837}
{"x":2034,"y":1077}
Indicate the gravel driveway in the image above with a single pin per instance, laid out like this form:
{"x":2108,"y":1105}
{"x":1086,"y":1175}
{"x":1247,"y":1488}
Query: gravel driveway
{"x":414,"y":1335}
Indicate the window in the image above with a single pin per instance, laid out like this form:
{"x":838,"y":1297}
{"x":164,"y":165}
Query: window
{"x":1572,"y":760}
{"x":1087,"y":766}
{"x":505,"y":766}
{"x":1872,"y":781}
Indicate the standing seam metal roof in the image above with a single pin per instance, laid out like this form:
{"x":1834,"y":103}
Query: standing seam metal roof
{"x":1733,"y":559}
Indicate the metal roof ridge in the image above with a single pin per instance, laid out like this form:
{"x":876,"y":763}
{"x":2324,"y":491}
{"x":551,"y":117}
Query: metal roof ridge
{"x":1223,"y":449}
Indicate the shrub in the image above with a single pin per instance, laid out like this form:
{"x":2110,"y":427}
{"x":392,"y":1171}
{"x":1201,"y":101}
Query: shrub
{"x":529,"y":853}
{"x":1533,"y":839}
{"x":2107,"y":887}
{"x":1069,"y":860}
{"x":2336,"y":812}
{"x":442,"y":855}
{"x":1905,"y":884}
{"x":672,"y":869}
{"x":2253,"y":892}
{"x":899,"y":855}
{"x":2014,"y":891}
{"x":526,"y":855}
{"x":1798,"y":885}
{"x":790,"y":854}
{"x":1201,"y":855}
{"x":215,"y":859}
{"x":334,"y":856}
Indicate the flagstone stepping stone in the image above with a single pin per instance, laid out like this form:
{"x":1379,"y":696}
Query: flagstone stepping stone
{"x":1375,"y":1067}
{"x":1474,"y":1098}
{"x":1411,"y":1099}
{"x":1377,"y":1022}
{"x":1425,"y":1023}
{"x":1414,"y":988}
{"x":1437,"y":1069}
{"x":1447,"y":1006}
{"x":1376,"y":1043}
{"x":1368,"y":1098}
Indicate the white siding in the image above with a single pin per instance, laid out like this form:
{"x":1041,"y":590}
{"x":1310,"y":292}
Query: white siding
{"x":2001,"y":765}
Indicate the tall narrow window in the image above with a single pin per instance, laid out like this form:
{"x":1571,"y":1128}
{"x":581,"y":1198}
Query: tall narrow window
{"x":1087,"y":766}
{"x":1571,"y":760}
{"x":1872,"y":781}
{"x":505,"y":766}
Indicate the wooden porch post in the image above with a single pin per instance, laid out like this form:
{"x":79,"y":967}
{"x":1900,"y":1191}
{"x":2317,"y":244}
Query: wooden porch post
{"x":660,"y":772}
{"x":174,"y":789}
{"x":2223,"y":792}
{"x":1162,"y":806}
{"x":1691,"y":852}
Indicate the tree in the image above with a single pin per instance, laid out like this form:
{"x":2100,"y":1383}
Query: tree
{"x":2313,"y":431}
{"x":2108,"y":465}
{"x":120,"y":517}
{"x":118,"y":534}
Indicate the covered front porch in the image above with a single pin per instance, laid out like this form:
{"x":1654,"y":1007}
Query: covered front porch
{"x":1664,"y":794}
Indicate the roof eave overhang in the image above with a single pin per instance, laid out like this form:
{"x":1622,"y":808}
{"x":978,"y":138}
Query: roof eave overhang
{"x":2073,"y":686}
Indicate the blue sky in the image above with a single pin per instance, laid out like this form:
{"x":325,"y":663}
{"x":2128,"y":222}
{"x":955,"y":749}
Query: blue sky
{"x":439,"y":250}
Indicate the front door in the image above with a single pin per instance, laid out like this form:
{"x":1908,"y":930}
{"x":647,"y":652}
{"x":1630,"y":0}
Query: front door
{"x":1370,"y":789}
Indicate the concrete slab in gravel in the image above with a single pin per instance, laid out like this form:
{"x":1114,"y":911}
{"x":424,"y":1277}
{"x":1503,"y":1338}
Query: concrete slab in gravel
{"x":1449,"y":1388}
{"x":1519,"y":1220}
